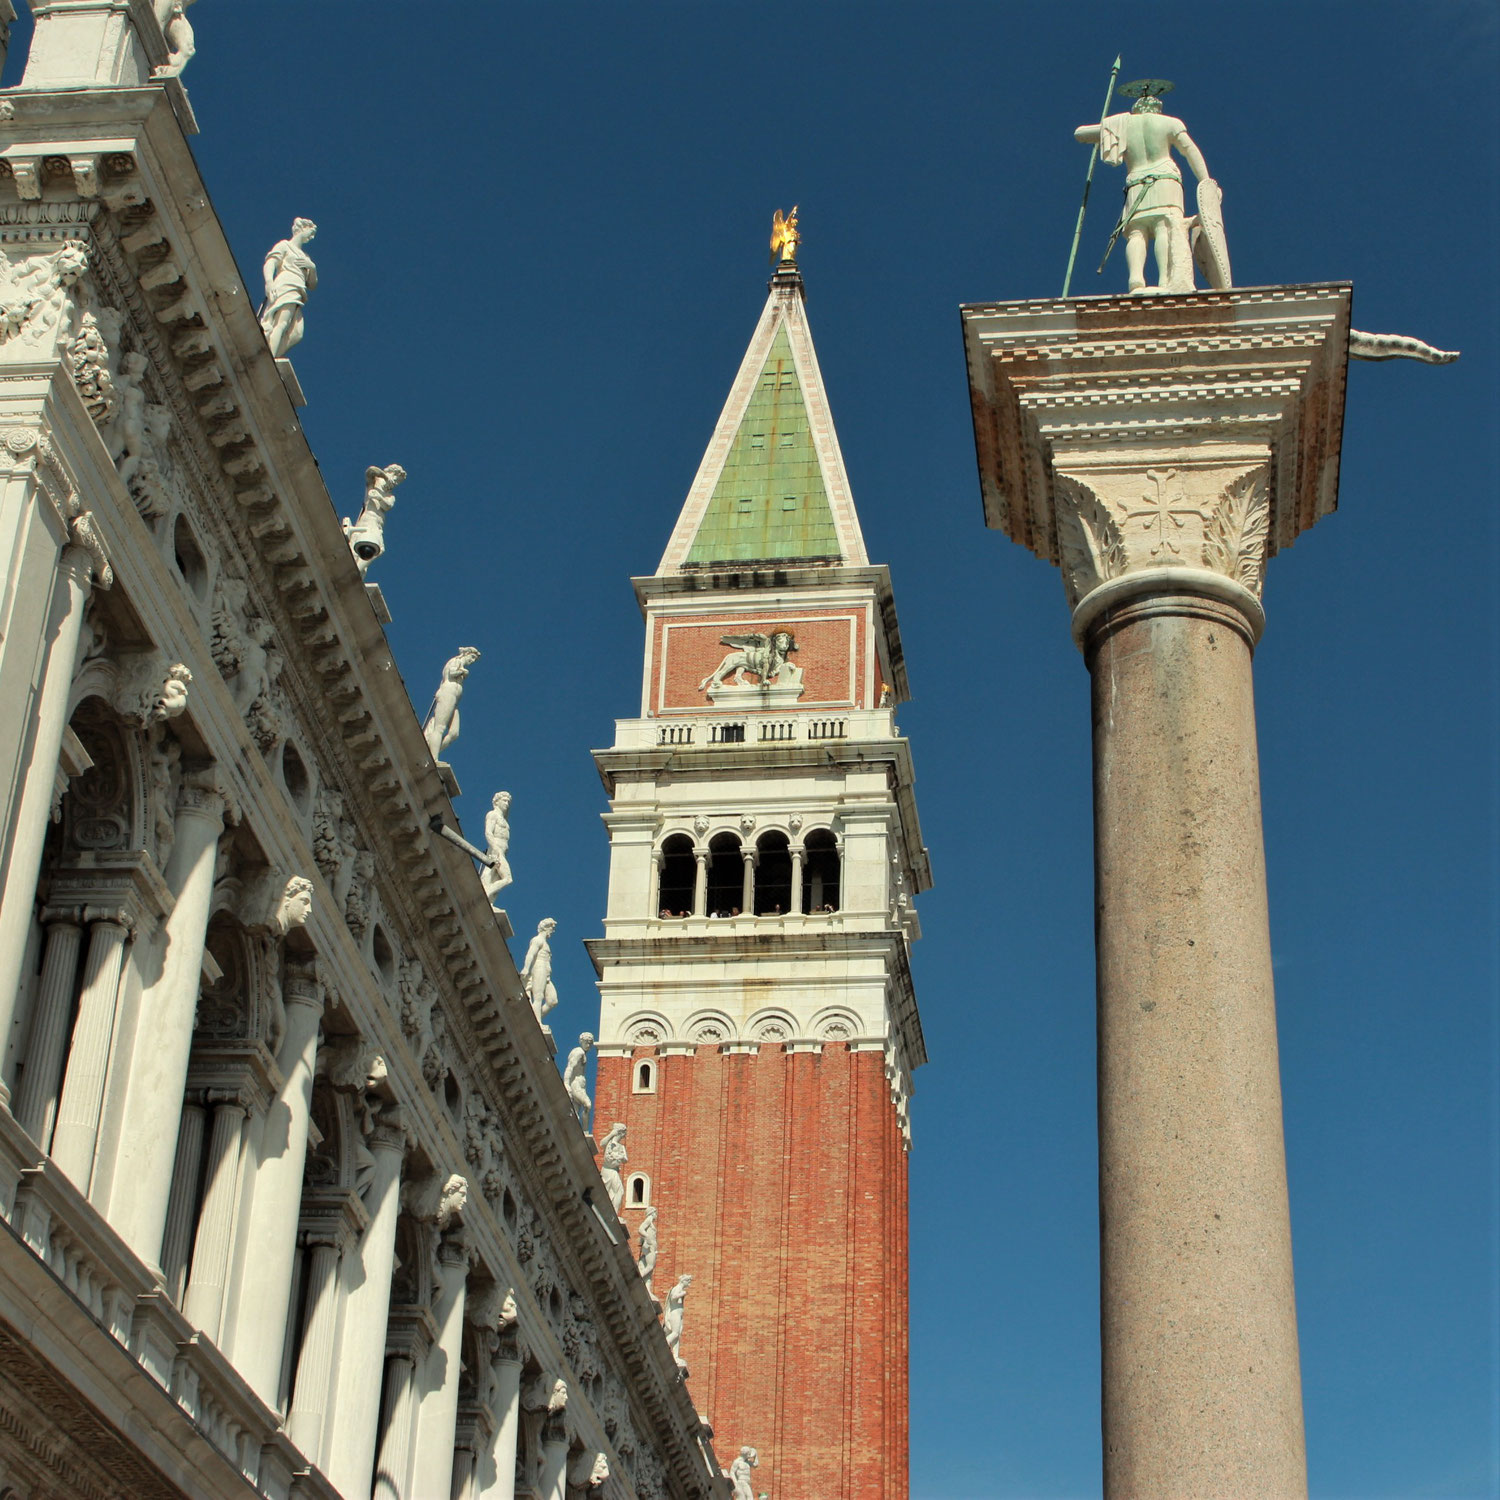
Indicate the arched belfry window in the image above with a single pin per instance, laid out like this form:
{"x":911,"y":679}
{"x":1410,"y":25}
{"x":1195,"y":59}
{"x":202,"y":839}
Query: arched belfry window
{"x":645,"y":1076}
{"x":820,"y":872}
{"x":637,"y":1190}
{"x":726,"y":875}
{"x":773,"y":874}
{"x":678,"y":868}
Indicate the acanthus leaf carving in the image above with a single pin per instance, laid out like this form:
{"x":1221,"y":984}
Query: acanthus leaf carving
{"x":1088,"y":536}
{"x":1234,"y":541}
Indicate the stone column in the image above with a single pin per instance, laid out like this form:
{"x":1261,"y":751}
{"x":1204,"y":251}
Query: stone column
{"x":498,"y":1477}
{"x":747,"y":888}
{"x":411,"y":1339}
{"x":798,"y":851}
{"x":1160,"y":461}
{"x":183,"y":1201}
{"x":277,"y":1195}
{"x":33,"y":806}
{"x":164,"y":1028}
{"x":700,"y":883}
{"x":203,"y":1304}
{"x":77,"y":1133}
{"x":432,"y":1473}
{"x":315,"y":1363}
{"x":36,"y":1095}
{"x":356,"y":1421}
{"x":554,"y":1480}
{"x":653,"y":902}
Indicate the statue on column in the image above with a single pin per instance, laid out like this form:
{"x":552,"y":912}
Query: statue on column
{"x":739,"y":1473}
{"x":575,"y":1081}
{"x":495,"y":876}
{"x":646,"y":1261}
{"x":441,"y":728}
{"x":1153,"y":213}
{"x":536,"y":971}
{"x":612,"y":1154}
{"x":290,"y":275}
{"x":672,"y":1318}
{"x":367,"y":533}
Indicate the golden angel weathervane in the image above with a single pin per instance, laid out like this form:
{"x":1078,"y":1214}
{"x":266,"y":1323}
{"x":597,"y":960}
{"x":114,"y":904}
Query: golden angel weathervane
{"x":784,"y":235}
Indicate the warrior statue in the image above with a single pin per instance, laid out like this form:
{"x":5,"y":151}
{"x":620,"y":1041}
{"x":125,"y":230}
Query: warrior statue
{"x":1143,"y":140}
{"x":767,"y":654}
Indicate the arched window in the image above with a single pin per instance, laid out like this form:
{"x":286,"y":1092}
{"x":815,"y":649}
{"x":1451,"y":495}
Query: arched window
{"x":637,"y":1190}
{"x":820,"y":872}
{"x":678,"y":869}
{"x":726,"y":874}
{"x":645,"y":1076}
{"x":773,"y":875}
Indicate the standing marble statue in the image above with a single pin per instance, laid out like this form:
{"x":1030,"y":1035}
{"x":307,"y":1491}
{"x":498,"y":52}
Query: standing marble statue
{"x":178,"y":31}
{"x":441,"y":728}
{"x":367,"y":533}
{"x":290,"y":275}
{"x":536,"y":972}
{"x":672,"y":1318}
{"x":739,"y":1473}
{"x":613,"y":1157}
{"x":495,"y":876}
{"x":645,"y":1262}
{"x":1143,"y":140}
{"x":575,"y":1079}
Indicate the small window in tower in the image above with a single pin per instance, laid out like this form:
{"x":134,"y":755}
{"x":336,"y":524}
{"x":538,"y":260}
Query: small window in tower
{"x":788,"y":440}
{"x":645,"y":1076}
{"x":637,"y":1191}
{"x":788,"y":502}
{"x":745,"y":503}
{"x":757,"y":440}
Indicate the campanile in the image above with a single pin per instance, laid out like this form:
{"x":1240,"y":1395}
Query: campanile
{"x":758,"y":1026}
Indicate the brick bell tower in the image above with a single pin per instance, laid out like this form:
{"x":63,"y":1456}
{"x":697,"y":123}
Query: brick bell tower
{"x":758,"y":1026}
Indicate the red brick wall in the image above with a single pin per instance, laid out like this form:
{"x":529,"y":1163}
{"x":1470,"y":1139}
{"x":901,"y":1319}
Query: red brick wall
{"x":780,"y":1183}
{"x":694,"y":647}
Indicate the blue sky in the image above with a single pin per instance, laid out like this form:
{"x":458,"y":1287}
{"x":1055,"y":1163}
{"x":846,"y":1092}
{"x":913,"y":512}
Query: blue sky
{"x":542,"y":252}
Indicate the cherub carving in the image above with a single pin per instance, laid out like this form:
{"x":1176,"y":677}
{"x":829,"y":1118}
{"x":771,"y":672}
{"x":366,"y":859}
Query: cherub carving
{"x":766,"y":654}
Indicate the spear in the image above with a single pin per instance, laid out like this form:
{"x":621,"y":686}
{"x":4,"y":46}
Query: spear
{"x":1088,"y":181}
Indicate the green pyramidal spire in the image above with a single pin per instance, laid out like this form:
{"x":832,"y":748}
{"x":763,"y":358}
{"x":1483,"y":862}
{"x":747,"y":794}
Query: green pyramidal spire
{"x":769,"y":503}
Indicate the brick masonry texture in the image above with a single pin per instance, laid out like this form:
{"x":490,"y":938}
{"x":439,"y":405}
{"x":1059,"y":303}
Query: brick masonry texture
{"x":780,"y":1184}
{"x":695,"y":648}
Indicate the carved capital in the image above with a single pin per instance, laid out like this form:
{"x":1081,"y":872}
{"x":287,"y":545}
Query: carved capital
{"x":1117,"y":520}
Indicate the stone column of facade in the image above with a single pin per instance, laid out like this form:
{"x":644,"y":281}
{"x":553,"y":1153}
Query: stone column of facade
{"x":78,"y":1111}
{"x":410,"y":1338}
{"x":498,"y":1477}
{"x":700,"y":883}
{"x":183,"y":1202}
{"x":554,"y":1481}
{"x":164,"y":1031}
{"x":36,"y":1095}
{"x":747,"y":887}
{"x":203,"y":1303}
{"x":797,"y":851}
{"x":277,"y":1194}
{"x":432,"y":1473}
{"x":332,"y":1219}
{"x":1161,"y":450}
{"x":34,"y":804}
{"x":356,"y":1422}
{"x":472,"y":1438}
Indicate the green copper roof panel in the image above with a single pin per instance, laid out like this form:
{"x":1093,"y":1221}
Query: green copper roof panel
{"x":769,"y":502}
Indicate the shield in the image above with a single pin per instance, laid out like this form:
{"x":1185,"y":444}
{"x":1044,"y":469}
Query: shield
{"x":1210,"y":249}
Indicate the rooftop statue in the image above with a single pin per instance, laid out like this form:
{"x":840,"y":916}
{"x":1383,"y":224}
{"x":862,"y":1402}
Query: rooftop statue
{"x":612,"y":1154}
{"x":178,"y":31}
{"x":575,"y":1079}
{"x":441,"y":728}
{"x":672,"y":1318}
{"x":739,"y":1473}
{"x":367,"y":533}
{"x":495,"y":876}
{"x":536,"y":972}
{"x":1153,"y":212}
{"x":645,"y":1262}
{"x":290,"y":275}
{"x":785,"y":236}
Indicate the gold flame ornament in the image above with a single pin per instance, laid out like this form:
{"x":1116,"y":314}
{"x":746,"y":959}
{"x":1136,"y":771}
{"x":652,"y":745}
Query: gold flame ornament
{"x":784,"y":235}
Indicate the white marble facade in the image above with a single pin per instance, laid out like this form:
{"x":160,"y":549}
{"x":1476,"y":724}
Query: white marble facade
{"x":297,"y":1195}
